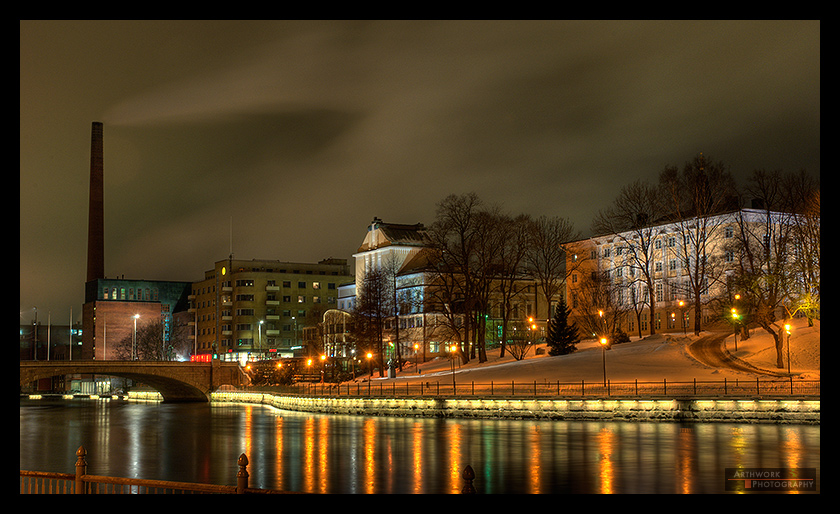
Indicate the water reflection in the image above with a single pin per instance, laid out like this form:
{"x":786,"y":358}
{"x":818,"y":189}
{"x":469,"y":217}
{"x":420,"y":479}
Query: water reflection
{"x":356,"y":454}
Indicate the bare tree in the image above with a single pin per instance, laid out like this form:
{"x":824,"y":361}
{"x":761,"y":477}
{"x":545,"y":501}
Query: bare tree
{"x":546,"y":255}
{"x":630,"y":218}
{"x":693,"y":198}
{"x":373,"y":307}
{"x":510,"y":271}
{"x":156,"y":340}
{"x":804,"y":198}
{"x":764,"y":248}
{"x":455,"y":236}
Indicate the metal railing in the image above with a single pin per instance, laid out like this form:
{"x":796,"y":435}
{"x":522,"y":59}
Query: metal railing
{"x":40,"y":482}
{"x":776,"y":386}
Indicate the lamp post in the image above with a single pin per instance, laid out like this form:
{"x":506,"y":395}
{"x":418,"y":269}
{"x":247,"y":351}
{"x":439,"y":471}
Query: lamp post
{"x":787,"y":331}
{"x":682,"y":315}
{"x":604,"y":358}
{"x":259,"y":334}
{"x":453,"y":356}
{"x":134,"y":339}
{"x":735,"y":322}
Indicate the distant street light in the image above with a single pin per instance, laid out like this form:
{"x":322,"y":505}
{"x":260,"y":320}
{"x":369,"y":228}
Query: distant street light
{"x":134,"y":339}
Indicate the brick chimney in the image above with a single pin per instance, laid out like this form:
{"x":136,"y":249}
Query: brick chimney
{"x":96,"y":214}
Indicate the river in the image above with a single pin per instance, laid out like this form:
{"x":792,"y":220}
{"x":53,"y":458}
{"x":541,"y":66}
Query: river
{"x":317,"y":453}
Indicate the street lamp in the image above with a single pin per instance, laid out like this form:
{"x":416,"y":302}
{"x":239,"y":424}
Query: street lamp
{"x":453,"y":356}
{"x":735,"y":322}
{"x":134,"y":339}
{"x":604,"y":358}
{"x":259,"y":334}
{"x":787,"y":331}
{"x":682,"y":315}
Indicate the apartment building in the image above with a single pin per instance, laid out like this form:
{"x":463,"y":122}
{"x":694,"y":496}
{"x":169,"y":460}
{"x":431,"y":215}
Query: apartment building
{"x":259,"y":309}
{"x":608,"y":288}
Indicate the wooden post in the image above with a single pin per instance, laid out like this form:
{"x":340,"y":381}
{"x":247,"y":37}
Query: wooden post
{"x":81,"y":470}
{"x":242,"y":476}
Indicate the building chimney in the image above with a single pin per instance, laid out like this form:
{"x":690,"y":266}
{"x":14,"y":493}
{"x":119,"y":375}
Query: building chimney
{"x":96,"y":215}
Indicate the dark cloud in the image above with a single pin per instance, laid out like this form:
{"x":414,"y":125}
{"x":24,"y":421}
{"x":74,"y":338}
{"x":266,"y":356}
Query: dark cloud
{"x":296,"y":134}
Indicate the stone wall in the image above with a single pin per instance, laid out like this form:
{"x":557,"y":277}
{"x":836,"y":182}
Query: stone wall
{"x":683,"y":410}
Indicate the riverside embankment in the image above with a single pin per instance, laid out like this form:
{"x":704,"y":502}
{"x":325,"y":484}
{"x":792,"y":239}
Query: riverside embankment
{"x":743,"y":410}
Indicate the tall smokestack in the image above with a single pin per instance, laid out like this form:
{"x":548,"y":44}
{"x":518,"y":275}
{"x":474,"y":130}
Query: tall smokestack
{"x":96,"y":212}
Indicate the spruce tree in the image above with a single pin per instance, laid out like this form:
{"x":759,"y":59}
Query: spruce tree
{"x":562,"y":338}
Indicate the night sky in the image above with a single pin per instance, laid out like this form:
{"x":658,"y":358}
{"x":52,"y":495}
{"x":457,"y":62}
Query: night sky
{"x":298,"y":133}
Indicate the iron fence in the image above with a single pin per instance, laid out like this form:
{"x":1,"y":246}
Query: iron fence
{"x":782,"y":387}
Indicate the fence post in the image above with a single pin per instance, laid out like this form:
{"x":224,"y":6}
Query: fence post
{"x":81,"y":470}
{"x":242,"y":476}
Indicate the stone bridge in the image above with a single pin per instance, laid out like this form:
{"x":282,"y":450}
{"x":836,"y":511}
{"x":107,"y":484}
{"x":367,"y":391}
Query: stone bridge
{"x":176,"y":381}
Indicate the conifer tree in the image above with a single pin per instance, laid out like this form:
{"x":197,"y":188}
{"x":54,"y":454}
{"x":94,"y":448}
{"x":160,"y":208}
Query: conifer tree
{"x":562,"y":338}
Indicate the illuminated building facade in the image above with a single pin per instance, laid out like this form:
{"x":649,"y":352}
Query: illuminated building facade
{"x":108,"y":314}
{"x":261,"y":309}
{"x":691,"y":264}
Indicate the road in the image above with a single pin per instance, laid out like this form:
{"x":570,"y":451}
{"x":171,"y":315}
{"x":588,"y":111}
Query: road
{"x":709,"y":351}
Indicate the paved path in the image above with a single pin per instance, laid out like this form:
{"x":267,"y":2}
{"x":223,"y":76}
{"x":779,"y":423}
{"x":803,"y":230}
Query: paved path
{"x":709,"y":350}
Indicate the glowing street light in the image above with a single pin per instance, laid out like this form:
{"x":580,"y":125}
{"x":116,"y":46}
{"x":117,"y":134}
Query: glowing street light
{"x":787,"y":331}
{"x":453,"y":355}
{"x":134,"y":339}
{"x":604,"y":357}
{"x":735,"y":317}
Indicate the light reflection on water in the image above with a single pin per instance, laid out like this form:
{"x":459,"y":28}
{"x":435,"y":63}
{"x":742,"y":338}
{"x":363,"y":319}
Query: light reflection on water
{"x":358,"y":454}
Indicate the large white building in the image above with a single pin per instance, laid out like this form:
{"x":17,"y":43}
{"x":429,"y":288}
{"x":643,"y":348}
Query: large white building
{"x":420,"y":325}
{"x":691,"y":264}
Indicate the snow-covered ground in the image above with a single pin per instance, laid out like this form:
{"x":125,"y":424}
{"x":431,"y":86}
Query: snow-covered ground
{"x":654,"y":358}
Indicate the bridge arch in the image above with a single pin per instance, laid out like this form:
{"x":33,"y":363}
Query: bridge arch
{"x":175,"y":381}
